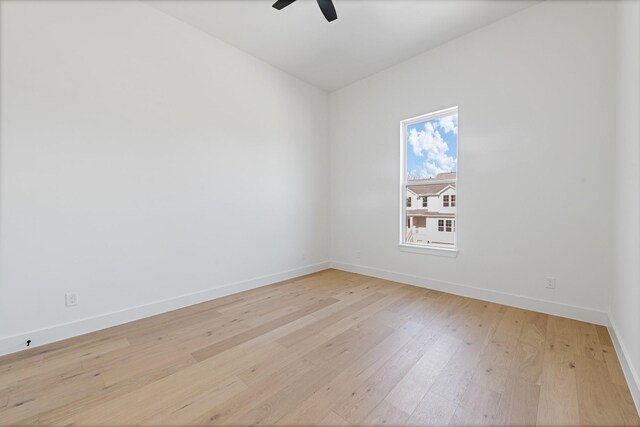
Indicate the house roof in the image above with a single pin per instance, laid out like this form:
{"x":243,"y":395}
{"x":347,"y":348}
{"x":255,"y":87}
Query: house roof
{"x":429,"y":189}
{"x":446,"y":175}
{"x":432,"y":186}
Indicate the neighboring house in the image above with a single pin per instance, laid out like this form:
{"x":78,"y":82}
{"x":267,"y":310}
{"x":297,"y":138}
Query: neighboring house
{"x":431,"y":210}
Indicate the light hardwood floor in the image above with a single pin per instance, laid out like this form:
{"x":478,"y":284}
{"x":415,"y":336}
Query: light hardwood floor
{"x":329,"y":349}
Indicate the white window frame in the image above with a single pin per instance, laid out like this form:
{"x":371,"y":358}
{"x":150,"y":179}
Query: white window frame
{"x":408,"y":247}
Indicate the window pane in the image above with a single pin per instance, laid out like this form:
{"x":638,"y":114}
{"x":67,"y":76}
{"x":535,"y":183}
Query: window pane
{"x":430,"y":162}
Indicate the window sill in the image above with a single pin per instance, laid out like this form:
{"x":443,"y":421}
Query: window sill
{"x":429,"y":250}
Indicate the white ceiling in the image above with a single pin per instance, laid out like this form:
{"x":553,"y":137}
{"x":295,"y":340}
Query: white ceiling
{"x":367,"y":37}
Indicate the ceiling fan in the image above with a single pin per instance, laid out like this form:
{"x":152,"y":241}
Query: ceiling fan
{"x":326,"y":6}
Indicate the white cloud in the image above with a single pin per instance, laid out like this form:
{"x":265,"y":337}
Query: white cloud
{"x":429,"y":143}
{"x":449,"y":124}
{"x":426,"y":141}
{"x":429,"y":170}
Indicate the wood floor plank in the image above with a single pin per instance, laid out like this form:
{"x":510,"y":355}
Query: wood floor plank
{"x":366,"y":397}
{"x":330,"y":360}
{"x":243,"y":402}
{"x":385,"y":414}
{"x":321,"y":324}
{"x":18,"y":372}
{"x":269,"y":364}
{"x":314,"y":408}
{"x":235,"y":340}
{"x":64,"y":411}
{"x":408,"y":393}
{"x":511,"y":323}
{"x":333,"y":420}
{"x":628,"y":406}
{"x":312,"y":411}
{"x":359,"y":316}
{"x":599,"y":401}
{"x":434,"y":410}
{"x":478,"y":407}
{"x":588,"y":341}
{"x":388,"y":348}
{"x":528,"y":362}
{"x":330,"y":348}
{"x":558,"y":402}
{"x":134,"y":408}
{"x":518,"y":403}
{"x":182,"y":414}
{"x":494,"y":367}
{"x":561,"y":341}
{"x":603,"y":336}
{"x":455,"y":378}
{"x":31,"y":398}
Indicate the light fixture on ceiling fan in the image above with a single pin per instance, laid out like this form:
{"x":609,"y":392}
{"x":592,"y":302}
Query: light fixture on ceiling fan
{"x":326,"y":6}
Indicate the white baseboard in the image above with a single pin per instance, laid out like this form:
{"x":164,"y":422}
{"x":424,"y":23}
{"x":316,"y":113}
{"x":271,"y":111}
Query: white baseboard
{"x":630,"y":372}
{"x":527,"y":303}
{"x":59,"y":332}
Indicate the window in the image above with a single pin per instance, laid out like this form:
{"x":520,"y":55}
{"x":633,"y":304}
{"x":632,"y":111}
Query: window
{"x":429,"y":165}
{"x":447,"y":225}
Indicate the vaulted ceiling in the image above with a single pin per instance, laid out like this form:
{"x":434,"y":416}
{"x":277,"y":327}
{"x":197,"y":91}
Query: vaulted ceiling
{"x":367,"y":37}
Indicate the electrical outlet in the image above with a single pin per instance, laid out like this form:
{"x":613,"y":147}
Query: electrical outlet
{"x":550,"y":282}
{"x":71,"y":299}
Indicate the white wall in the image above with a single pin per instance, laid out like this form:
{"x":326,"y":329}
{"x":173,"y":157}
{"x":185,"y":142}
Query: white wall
{"x":143,"y":160}
{"x":536,"y":95}
{"x":625,"y":310}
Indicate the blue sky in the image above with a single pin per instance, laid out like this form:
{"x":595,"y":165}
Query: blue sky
{"x":432,"y":147}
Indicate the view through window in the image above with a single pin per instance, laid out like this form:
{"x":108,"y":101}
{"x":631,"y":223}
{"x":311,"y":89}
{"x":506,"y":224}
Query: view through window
{"x":429,"y":179}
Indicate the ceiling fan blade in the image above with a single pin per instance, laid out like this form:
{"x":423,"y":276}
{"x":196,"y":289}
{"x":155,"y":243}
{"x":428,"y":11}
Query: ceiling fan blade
{"x":328,"y":10}
{"x":281,"y":4}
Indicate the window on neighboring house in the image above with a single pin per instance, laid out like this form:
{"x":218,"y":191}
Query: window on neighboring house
{"x":429,"y":162}
{"x":446,"y":225}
